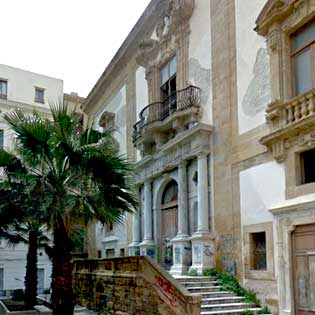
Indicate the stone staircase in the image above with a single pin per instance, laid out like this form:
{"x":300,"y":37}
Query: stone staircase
{"x":215,"y":301}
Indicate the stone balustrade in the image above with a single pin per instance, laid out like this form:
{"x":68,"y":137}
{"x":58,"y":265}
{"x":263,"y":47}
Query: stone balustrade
{"x":283,"y":114}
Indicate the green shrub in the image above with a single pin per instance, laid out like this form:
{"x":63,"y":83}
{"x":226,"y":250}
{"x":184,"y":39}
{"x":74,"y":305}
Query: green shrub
{"x":210,"y":272}
{"x":251,"y":297}
{"x":18,"y":295}
{"x":193,"y":272}
{"x":264,"y":310}
{"x":247,"y":312}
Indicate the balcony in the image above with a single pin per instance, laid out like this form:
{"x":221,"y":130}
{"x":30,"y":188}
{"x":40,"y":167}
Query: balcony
{"x":287,"y":120}
{"x":159,"y":120}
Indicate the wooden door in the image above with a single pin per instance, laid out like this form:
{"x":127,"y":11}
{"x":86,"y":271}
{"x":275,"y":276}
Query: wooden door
{"x":303,"y":250}
{"x":169,"y":231}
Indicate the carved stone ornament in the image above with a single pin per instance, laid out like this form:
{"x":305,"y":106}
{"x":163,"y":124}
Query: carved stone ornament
{"x":107,"y":121}
{"x":175,"y":18}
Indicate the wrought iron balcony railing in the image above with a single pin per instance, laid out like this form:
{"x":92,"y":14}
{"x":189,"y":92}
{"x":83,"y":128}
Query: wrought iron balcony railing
{"x":159,"y":111}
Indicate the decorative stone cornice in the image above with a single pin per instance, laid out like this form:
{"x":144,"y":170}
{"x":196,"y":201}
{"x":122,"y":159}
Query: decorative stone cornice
{"x":277,"y":11}
{"x":185,"y":146}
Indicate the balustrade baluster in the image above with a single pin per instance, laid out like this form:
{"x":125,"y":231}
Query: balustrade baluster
{"x":311,"y":105}
{"x":297,"y":112}
{"x":290,"y":114}
{"x":304,"y":107}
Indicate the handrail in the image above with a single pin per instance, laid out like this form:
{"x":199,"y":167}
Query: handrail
{"x":158,"y":111}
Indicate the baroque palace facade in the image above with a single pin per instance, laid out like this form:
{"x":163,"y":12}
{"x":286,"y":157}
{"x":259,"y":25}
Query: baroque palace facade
{"x":213,"y":101}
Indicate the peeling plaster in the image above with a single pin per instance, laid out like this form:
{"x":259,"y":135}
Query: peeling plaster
{"x":257,"y":94}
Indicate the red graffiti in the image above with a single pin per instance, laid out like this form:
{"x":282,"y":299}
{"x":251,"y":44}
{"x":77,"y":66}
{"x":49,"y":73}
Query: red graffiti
{"x":168,"y":291}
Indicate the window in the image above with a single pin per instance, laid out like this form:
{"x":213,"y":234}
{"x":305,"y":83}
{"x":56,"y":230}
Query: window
{"x":99,"y":254}
{"x":39,"y":95}
{"x":307,"y":159}
{"x":110,"y":253}
{"x":3,"y":89}
{"x":40,"y":280}
{"x":1,"y":139}
{"x":122,"y":252}
{"x":168,"y":87}
{"x":258,"y":251}
{"x":303,"y":58}
{"x":170,"y":193}
{"x":1,"y":280}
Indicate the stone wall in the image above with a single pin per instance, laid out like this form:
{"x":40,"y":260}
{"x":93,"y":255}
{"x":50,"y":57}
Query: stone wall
{"x":131,"y":286}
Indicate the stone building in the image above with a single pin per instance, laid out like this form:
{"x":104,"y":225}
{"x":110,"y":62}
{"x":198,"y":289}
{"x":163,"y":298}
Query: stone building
{"x":213,"y":100}
{"x":28,"y":91}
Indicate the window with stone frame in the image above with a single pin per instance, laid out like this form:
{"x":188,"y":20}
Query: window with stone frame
{"x":3,"y":89}
{"x":39,"y":95}
{"x":258,"y":251}
{"x":303,"y":58}
{"x":307,"y":167}
{"x":168,"y":87}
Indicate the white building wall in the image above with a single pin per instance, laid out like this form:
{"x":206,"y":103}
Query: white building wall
{"x":253,"y":76}
{"x":21,"y":86}
{"x":261,"y":188}
{"x":117,"y":238}
{"x":200,"y":55}
{"x":21,"y":90}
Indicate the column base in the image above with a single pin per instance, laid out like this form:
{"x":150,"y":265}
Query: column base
{"x":203,"y":248}
{"x":181,"y":254}
{"x":147,"y":248}
{"x":134,"y":249}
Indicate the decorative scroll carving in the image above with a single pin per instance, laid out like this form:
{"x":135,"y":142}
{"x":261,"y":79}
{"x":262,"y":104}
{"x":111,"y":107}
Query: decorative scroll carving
{"x":107,"y":120}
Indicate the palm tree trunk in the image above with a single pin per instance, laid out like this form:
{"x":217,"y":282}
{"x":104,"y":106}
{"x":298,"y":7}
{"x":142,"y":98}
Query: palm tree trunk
{"x":31,"y":271}
{"x":62,"y":294}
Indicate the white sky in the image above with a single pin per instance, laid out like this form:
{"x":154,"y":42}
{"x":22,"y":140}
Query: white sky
{"x":72,"y":40}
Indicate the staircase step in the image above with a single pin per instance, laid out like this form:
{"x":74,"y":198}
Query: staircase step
{"x":195,"y":279}
{"x":204,"y":289}
{"x":225,"y":306}
{"x":232,"y":312}
{"x":214,"y":294}
{"x":195,"y":283}
{"x":222,"y":299}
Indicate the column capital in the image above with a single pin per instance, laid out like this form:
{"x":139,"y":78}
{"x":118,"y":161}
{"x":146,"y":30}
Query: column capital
{"x":182,"y":163}
{"x":202,"y":154}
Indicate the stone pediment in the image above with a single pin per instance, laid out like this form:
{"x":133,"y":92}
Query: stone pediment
{"x":274,"y":11}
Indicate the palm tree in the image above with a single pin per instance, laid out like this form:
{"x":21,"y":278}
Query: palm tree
{"x":82,"y":178}
{"x":20,"y":220}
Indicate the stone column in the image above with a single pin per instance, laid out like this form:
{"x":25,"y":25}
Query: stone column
{"x":203,"y":244}
{"x":147,"y":247}
{"x":203,"y":195}
{"x":181,"y":243}
{"x":134,"y":249}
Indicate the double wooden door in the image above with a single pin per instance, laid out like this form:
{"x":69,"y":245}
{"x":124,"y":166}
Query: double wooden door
{"x":303,"y":250}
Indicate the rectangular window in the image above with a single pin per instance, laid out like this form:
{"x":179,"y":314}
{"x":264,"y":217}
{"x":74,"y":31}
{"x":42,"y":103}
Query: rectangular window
{"x":3,"y":89}
{"x":122,"y":252}
{"x":1,"y":139}
{"x":110,"y":253}
{"x":307,"y":166}
{"x":303,"y":58}
{"x":168,"y":88}
{"x":258,"y":251}
{"x":1,"y":280}
{"x":39,"y":95}
{"x":40,"y":280}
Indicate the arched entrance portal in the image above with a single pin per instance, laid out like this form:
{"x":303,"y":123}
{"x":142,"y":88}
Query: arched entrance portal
{"x":169,"y":210}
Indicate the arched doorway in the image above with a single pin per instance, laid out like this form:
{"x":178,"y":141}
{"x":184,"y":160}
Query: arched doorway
{"x":169,"y":209}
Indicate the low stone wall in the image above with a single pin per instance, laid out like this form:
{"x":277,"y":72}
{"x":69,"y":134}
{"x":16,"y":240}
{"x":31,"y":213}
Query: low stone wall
{"x":131,"y":286}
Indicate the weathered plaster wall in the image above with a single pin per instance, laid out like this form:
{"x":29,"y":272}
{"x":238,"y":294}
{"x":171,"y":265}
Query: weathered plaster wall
{"x":117,"y":105}
{"x":200,"y":55}
{"x":253,"y":77}
{"x":261,"y":188}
